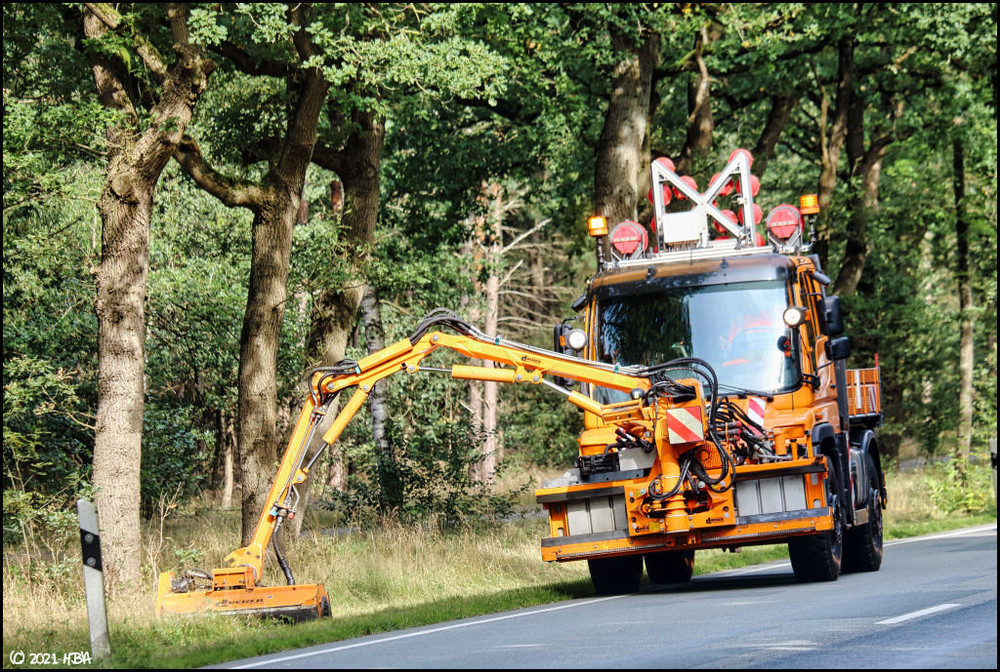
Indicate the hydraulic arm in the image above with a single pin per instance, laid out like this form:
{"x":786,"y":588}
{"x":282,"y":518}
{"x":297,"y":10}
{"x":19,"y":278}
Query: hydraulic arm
{"x":237,"y":589}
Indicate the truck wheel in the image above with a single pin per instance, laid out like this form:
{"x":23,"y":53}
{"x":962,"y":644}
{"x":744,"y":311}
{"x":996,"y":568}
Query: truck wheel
{"x":863,"y":544}
{"x":670,"y":566}
{"x":614,"y":576}
{"x":818,"y":557}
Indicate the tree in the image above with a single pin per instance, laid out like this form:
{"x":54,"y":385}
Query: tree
{"x":406,"y":53}
{"x":153,"y":116}
{"x":274,"y":200}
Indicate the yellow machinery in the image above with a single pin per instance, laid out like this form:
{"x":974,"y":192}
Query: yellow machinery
{"x":717,"y":406}
{"x":236,"y":589}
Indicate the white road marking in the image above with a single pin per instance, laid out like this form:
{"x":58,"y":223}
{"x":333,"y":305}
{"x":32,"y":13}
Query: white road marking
{"x":945,"y":535}
{"x":917,"y":614}
{"x":750,"y":570}
{"x":794,"y":645}
{"x":408,"y":635}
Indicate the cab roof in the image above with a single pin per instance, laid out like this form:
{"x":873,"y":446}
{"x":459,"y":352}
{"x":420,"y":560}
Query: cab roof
{"x":657,"y":277}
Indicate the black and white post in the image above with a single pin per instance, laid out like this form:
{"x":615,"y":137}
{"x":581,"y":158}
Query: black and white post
{"x":93,"y":579}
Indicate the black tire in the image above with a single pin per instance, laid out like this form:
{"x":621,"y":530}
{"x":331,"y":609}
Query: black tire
{"x":670,"y":566}
{"x":818,"y":557}
{"x":324,"y":607}
{"x":863,"y":544}
{"x":615,"y":576}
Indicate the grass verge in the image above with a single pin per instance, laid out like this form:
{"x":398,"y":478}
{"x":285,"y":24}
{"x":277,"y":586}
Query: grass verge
{"x":390,"y":577}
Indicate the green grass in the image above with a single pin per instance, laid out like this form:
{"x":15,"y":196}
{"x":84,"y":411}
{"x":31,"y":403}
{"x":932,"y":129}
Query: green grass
{"x":393,"y":576}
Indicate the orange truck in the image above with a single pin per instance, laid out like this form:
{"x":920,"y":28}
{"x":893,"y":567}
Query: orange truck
{"x":778,"y":445}
{"x":719,"y":412}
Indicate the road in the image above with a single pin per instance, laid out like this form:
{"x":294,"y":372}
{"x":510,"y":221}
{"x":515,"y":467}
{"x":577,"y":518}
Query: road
{"x":932,"y":605}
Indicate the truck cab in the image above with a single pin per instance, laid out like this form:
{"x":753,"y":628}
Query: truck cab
{"x":776,"y":443}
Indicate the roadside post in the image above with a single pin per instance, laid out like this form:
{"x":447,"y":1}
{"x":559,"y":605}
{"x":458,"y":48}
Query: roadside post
{"x":993,"y":465}
{"x":93,"y":579}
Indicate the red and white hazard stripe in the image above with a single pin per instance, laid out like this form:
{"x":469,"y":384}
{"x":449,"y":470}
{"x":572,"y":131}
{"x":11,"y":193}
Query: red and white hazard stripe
{"x":755,"y":410}
{"x":684,"y":425}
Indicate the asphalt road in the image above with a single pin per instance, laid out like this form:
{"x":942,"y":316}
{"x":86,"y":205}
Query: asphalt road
{"x":932,"y":605}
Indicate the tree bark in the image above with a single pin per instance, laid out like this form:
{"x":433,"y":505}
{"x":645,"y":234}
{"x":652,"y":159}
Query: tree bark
{"x":275,"y":202}
{"x":620,"y":149}
{"x":358,"y":164}
{"x":701,"y":124}
{"x":492,"y":445}
{"x":389,"y":485}
{"x":334,"y":310}
{"x":257,"y":433}
{"x":963,"y":446}
{"x":781,"y":110}
{"x":832,"y":141}
{"x":136,"y":159}
{"x":863,"y":207}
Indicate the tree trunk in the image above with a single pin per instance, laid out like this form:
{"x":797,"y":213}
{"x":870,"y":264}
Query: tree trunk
{"x":275,"y":203}
{"x":620,"y":149}
{"x":781,"y":110}
{"x":701,"y":124}
{"x":492,"y":446}
{"x":389,"y":485}
{"x":832,"y":143}
{"x":136,"y":160}
{"x":963,"y":445}
{"x":473,"y":249}
{"x":225,"y":440}
{"x":257,"y":435}
{"x":358,"y":165}
{"x":863,"y":208}
{"x":866,"y":169}
{"x":121,"y":295}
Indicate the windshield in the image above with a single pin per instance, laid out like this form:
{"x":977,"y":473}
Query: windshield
{"x":734,"y":327}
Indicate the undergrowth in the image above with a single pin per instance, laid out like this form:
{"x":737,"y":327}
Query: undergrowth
{"x":382,"y":574}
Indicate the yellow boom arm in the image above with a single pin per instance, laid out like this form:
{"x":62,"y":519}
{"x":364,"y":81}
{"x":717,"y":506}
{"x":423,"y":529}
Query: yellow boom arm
{"x":236,"y":589}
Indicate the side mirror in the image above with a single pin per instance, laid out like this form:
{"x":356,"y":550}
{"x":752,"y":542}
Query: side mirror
{"x":838,"y":348}
{"x":559,"y":337}
{"x":832,"y":319}
{"x":567,"y":340}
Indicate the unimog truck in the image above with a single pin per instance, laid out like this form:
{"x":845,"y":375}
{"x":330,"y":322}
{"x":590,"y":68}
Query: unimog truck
{"x":778,"y":445}
{"x":718,"y":410}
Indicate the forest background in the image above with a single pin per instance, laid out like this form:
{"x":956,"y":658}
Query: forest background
{"x":202,"y":202}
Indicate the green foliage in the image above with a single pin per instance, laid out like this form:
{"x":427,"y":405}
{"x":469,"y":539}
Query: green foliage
{"x":472,"y":94}
{"x":961,"y":486}
{"x":175,"y":453}
{"x":429,"y":478}
{"x":539,"y":427}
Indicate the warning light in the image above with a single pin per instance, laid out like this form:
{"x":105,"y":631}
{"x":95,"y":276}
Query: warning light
{"x":726,"y":190}
{"x":666,"y":163}
{"x":784,"y":221}
{"x":809,"y":204}
{"x":628,"y":238}
{"x":742,"y":151}
{"x":758,"y":214}
{"x":689,"y":181}
{"x":666,"y":195}
{"x":597,"y":226}
{"x":754,"y":186}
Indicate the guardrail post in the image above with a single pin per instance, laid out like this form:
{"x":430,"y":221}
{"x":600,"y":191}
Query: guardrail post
{"x":93,"y":579}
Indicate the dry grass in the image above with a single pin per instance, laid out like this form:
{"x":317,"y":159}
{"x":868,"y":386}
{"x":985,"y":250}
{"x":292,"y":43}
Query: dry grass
{"x":391,"y":566}
{"x":388,"y":567}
